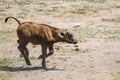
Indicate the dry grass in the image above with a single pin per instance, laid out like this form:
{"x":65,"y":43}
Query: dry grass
{"x":95,"y":23}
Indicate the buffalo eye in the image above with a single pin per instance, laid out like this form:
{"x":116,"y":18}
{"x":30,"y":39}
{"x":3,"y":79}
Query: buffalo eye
{"x":62,"y":34}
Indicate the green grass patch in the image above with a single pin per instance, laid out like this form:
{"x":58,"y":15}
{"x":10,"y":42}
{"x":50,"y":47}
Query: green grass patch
{"x":9,"y":61}
{"x":56,"y":9}
{"x":42,"y":4}
{"x":115,"y":5}
{"x":117,"y":19}
{"x":67,"y":51}
{"x":5,"y":76}
{"x":109,"y":32}
{"x":6,"y":61}
{"x":84,"y":33}
{"x":6,"y":35}
{"x":116,"y":76}
{"x":69,"y":0}
{"x":102,"y":31}
{"x":5,"y":4}
{"x":81,"y":9}
{"x":86,"y":7}
{"x":100,"y":1}
{"x":22,"y":2}
{"x":22,"y":15}
{"x":2,"y":15}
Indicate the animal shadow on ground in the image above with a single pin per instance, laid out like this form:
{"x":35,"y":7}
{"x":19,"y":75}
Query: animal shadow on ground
{"x":13,"y":69}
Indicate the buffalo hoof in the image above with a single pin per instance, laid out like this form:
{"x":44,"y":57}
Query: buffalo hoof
{"x":28,"y":63}
{"x":44,"y":67}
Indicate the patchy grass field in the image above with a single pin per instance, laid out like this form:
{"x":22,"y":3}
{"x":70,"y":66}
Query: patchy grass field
{"x":95,"y":23}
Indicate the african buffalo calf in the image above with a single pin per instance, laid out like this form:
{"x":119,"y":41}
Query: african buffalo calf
{"x":35,"y":33}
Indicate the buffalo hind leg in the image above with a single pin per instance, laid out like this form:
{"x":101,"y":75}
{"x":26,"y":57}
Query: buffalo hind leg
{"x":24,"y":51}
{"x":51,"y":51}
{"x":18,"y":41}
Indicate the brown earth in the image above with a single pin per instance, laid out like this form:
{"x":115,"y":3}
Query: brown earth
{"x":95,"y":23}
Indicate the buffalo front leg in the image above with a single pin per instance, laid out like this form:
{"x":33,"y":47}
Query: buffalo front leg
{"x":44,"y":52}
{"x":51,"y":51}
{"x":24,"y":51}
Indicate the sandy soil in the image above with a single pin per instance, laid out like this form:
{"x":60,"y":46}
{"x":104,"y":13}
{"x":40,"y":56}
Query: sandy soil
{"x":93,"y":59}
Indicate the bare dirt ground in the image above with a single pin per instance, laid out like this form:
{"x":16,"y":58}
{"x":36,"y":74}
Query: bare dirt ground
{"x":95,"y":23}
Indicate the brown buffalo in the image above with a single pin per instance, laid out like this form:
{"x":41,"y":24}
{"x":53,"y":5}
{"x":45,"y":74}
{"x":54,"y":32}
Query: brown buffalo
{"x":35,"y":33}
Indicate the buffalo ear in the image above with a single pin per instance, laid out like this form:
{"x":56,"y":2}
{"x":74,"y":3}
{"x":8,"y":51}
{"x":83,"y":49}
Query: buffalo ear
{"x":61,"y":35}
